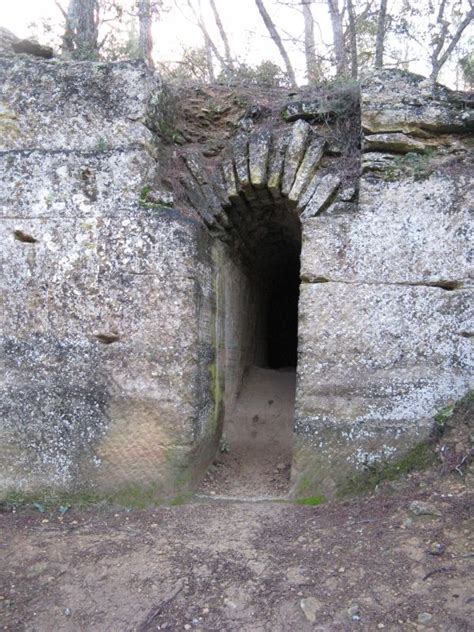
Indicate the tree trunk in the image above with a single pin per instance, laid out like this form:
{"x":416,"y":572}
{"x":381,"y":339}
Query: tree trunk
{"x":145,"y":41}
{"x":210,"y":47}
{"x":379,"y":42}
{"x":81,"y":32}
{"x":312,"y":70}
{"x":352,"y":39}
{"x":338,"y":37}
{"x":223,"y":34}
{"x":277,"y":40}
{"x":439,"y":58}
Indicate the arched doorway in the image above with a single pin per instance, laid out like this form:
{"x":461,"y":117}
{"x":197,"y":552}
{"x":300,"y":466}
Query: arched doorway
{"x":253,"y":206}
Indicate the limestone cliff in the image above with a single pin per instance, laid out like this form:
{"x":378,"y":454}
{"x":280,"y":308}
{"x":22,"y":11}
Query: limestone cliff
{"x":142,"y":228}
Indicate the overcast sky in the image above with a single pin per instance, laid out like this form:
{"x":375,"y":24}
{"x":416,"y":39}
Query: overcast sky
{"x":173,"y":30}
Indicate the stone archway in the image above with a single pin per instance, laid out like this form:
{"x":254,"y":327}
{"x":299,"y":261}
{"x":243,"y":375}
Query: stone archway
{"x":268,"y":182}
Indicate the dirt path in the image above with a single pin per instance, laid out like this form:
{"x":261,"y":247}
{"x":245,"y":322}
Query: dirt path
{"x":258,"y":438}
{"x":364,"y":565}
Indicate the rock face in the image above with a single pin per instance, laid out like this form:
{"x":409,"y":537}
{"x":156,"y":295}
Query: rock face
{"x":138,"y":277}
{"x":106,"y":358}
{"x":385,"y":328}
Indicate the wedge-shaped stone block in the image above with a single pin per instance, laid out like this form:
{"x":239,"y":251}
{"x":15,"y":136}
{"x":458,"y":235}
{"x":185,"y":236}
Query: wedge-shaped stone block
{"x":300,"y":134}
{"x":276,"y":162}
{"x":309,"y":165}
{"x":403,"y":232}
{"x":240,"y":152}
{"x":259,"y":151}
{"x":325,"y":191}
{"x":230,"y":181}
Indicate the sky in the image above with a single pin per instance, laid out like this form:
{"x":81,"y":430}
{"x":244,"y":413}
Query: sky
{"x":174,"y":30}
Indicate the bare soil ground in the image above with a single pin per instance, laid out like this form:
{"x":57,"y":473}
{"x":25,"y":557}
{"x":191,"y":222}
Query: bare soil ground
{"x":256,"y":457}
{"x":362,"y":564}
{"x":399,"y":559}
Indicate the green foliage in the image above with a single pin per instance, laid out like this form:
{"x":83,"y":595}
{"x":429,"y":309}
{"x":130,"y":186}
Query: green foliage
{"x":267,"y":74}
{"x":466,"y":64}
{"x":442,"y":417}
{"x":102,"y":144}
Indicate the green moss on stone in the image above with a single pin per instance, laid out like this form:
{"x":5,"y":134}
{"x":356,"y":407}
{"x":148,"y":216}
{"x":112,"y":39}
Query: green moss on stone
{"x":420,"y":457}
{"x":310,"y":501}
{"x":147,"y":200}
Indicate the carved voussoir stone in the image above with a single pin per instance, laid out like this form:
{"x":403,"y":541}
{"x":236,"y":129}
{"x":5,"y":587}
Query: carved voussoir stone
{"x":324,"y":192}
{"x":275,"y":164}
{"x":308,"y":167}
{"x":259,"y":151}
{"x":294,"y":154}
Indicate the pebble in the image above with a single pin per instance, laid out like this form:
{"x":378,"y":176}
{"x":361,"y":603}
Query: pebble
{"x":424,"y":617}
{"x":309,"y":605}
{"x":353,"y":610}
{"x":67,"y":612}
{"x":420,"y":508}
{"x":205,"y":611}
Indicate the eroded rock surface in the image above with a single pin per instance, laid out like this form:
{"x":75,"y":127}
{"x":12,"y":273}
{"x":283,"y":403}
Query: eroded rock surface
{"x":139,"y":260}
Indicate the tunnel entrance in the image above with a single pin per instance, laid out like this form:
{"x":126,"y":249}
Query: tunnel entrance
{"x":282,"y":319}
{"x":261,"y":291}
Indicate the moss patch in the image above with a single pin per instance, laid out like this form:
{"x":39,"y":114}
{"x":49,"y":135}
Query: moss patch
{"x":420,"y":457}
{"x":310,"y":501}
{"x":147,"y":199}
{"x":130,"y":497}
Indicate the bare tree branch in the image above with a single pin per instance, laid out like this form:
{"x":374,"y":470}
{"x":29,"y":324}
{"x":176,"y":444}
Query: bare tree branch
{"x":277,"y":40}
{"x":223,"y":34}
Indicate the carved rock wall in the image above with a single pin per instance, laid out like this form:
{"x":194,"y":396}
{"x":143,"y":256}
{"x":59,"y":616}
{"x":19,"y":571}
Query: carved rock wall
{"x":386,"y":295}
{"x":106,"y":323}
{"x":128,"y":323}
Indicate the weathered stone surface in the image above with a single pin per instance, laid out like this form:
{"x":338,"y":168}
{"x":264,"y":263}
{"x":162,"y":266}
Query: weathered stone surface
{"x":294,"y":154}
{"x":325,"y":189}
{"x":395,"y":142}
{"x":275,"y":164}
{"x":62,"y":184}
{"x":403,"y":232}
{"x":10,"y":43}
{"x":7,"y":39}
{"x":375,"y":364}
{"x":259,"y":151}
{"x":106,"y":381}
{"x":309,"y":165}
{"x":52,"y":115}
{"x":69,"y":398}
{"x":230,"y":182}
{"x":320,"y":109}
{"x":399,"y":101}
{"x":375,"y":161}
{"x":241,"y":161}
{"x":127,"y":329}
